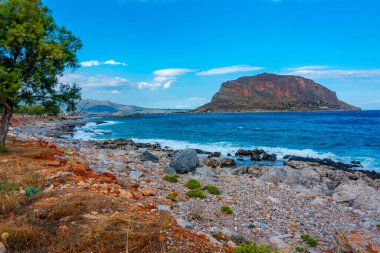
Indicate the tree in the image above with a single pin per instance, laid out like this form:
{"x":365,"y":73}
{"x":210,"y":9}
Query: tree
{"x":34,"y":52}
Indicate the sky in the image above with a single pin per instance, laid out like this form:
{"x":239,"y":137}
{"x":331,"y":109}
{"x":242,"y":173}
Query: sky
{"x":177,"y":53}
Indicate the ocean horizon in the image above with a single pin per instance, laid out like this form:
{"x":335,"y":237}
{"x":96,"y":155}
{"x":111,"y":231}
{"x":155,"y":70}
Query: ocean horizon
{"x":343,"y":136}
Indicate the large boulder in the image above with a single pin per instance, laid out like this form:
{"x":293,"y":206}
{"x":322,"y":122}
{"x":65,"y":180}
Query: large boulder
{"x":273,"y":174}
{"x":184,"y":161}
{"x":359,"y":194}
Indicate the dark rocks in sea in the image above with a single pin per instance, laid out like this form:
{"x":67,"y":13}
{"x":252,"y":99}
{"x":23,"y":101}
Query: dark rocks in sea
{"x":184,"y":161}
{"x":257,"y":155}
{"x":349,"y":167}
{"x":214,"y":154}
{"x":227,"y":162}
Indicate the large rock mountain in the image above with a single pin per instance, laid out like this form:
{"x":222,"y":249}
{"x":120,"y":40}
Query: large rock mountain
{"x":271,"y":92}
{"x":92,"y":106}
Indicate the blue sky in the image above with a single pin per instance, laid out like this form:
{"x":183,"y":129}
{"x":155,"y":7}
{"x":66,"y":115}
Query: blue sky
{"x":176,"y":53}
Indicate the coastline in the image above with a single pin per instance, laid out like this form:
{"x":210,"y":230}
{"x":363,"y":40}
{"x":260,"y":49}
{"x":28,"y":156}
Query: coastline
{"x":265,"y":200}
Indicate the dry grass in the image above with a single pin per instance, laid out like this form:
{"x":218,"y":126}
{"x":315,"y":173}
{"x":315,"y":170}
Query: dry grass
{"x":78,"y":220}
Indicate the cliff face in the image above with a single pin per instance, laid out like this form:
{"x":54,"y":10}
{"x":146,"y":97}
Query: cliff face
{"x":271,"y":92}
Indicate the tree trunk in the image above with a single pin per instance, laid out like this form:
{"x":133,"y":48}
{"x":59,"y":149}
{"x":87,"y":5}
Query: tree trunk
{"x":5,"y":119}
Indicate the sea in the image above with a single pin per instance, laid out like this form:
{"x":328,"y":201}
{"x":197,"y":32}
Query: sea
{"x":340,"y":136}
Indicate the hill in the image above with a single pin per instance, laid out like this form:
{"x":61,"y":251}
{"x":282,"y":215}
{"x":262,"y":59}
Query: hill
{"x":92,"y":106}
{"x":271,"y":92}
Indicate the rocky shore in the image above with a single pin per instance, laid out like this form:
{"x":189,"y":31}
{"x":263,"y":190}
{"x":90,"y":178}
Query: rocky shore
{"x":277,"y":205}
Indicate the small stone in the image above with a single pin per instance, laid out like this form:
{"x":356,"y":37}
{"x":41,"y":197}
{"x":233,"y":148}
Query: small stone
{"x":148,"y":191}
{"x":184,"y":224}
{"x":125,"y":194}
{"x":2,"y":248}
{"x":231,"y":244}
{"x":136,"y":175}
{"x":163,"y":208}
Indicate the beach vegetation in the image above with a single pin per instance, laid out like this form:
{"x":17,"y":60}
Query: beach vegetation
{"x":196,"y":193}
{"x":212,"y":189}
{"x":227,"y":209}
{"x":3,"y":149}
{"x":34,"y":52}
{"x":253,"y":248}
{"x":31,"y":190}
{"x":311,"y":241}
{"x":172,"y":197}
{"x":172,"y":179}
{"x":238,"y":239}
{"x":8,"y":187}
{"x":193,"y":184}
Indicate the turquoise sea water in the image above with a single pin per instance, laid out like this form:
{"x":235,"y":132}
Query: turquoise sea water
{"x":341,"y":136}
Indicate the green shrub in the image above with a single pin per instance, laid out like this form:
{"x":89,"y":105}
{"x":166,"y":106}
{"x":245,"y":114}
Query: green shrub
{"x":378,"y":225}
{"x":3,"y":149}
{"x":253,"y":248}
{"x":9,"y":187}
{"x":227,"y":210}
{"x":301,"y":248}
{"x":212,"y":189}
{"x":196,"y":193}
{"x":172,"y":179}
{"x":309,"y":239}
{"x":193,"y":184}
{"x":238,"y":239}
{"x":172,"y":197}
{"x":30,"y":190}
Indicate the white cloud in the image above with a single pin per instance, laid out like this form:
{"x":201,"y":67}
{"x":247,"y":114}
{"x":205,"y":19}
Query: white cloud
{"x":90,"y":63}
{"x":376,"y":101}
{"x":96,"y":81}
{"x":150,"y":85}
{"x":113,"y":62}
{"x":315,"y":67}
{"x":323,"y":72}
{"x":228,"y":70}
{"x":164,"y":78}
{"x":97,"y":63}
{"x":115,"y":92}
{"x":172,"y":72}
{"x":168,"y":84}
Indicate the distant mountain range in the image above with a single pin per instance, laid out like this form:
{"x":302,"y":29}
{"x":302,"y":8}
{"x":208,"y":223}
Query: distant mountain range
{"x":271,"y":92}
{"x":92,"y":106}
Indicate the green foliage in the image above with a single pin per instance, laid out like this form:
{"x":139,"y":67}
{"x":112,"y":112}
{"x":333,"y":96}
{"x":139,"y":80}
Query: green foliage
{"x":172,"y":179}
{"x":238,"y":239}
{"x":309,"y":239}
{"x":30,"y":190}
{"x":34,"y":52}
{"x":227,"y":210}
{"x":172,"y":197}
{"x":30,"y":109}
{"x":253,"y":248}
{"x":212,"y":189}
{"x":3,"y":149}
{"x":378,"y":225}
{"x":193,"y":184}
{"x":301,"y":248}
{"x":6,"y":187}
{"x":196,"y":193}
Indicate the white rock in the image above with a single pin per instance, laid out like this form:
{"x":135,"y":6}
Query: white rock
{"x":136,"y":175}
{"x":163,"y":208}
{"x":2,"y":248}
{"x":184,"y":224}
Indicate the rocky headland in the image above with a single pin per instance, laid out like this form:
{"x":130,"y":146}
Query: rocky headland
{"x":303,"y":205}
{"x":271,"y":92}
